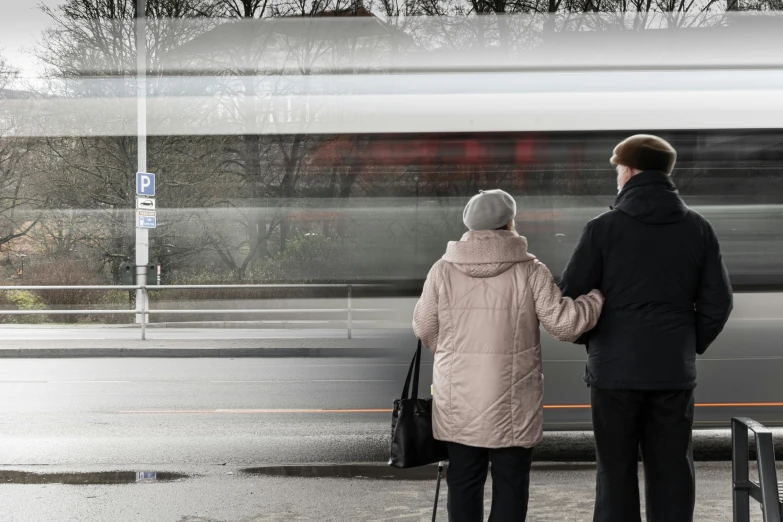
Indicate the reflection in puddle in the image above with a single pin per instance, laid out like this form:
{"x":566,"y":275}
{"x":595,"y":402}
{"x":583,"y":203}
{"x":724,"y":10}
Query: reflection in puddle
{"x":105,"y":477}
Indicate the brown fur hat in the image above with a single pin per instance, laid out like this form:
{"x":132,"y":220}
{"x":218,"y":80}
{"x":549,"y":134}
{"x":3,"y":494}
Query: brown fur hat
{"x":645,"y":152}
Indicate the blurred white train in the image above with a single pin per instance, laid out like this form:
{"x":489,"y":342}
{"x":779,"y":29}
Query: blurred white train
{"x":539,"y":120}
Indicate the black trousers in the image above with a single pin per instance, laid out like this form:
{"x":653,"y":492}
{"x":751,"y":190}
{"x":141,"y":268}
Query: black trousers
{"x":660,"y":423}
{"x":467,"y":474}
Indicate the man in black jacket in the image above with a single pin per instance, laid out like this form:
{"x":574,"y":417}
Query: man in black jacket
{"x":667,"y":291}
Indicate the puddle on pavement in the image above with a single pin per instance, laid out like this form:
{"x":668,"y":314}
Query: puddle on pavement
{"x":348,"y":471}
{"x":381,"y":472}
{"x":104,"y":477}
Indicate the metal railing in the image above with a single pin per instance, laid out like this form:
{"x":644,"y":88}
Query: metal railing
{"x":144,"y":311}
{"x":766,"y":491}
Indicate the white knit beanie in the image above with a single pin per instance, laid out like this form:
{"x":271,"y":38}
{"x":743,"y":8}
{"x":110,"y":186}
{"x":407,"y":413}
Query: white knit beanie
{"x":489,"y":210}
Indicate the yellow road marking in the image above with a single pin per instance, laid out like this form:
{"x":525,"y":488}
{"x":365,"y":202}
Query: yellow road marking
{"x":388,"y":410}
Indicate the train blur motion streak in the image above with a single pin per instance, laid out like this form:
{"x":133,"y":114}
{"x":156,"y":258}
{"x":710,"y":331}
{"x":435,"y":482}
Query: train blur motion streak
{"x":399,"y":129}
{"x":730,"y":170}
{"x":561,"y":180}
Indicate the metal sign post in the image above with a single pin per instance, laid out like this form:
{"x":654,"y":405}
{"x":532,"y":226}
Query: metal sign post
{"x":142,"y":234}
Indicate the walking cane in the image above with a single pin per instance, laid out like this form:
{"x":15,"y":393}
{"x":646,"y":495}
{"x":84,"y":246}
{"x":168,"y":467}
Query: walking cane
{"x":437,"y":491}
{"x":440,"y":475}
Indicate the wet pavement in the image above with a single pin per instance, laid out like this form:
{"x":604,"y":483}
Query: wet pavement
{"x":244,"y":412}
{"x":213,"y":440}
{"x":346,"y":471}
{"x":225,"y":494}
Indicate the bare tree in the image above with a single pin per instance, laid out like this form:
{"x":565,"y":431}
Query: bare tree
{"x":15,"y":157}
{"x":243,"y":8}
{"x":90,"y":52}
{"x":255,"y":55}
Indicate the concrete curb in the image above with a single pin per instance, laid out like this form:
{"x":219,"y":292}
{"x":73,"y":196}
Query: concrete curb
{"x":54,"y":353}
{"x":160,"y":352}
{"x":277,"y":325}
{"x":227,"y":325}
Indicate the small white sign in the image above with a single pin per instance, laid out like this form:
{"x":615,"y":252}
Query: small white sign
{"x":145,"y":203}
{"x":146,"y":213}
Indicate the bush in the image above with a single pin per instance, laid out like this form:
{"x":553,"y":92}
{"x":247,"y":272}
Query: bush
{"x":315,"y":258}
{"x":308,"y":258}
{"x":24,"y":300}
{"x":116,"y":300}
{"x":69,"y":273}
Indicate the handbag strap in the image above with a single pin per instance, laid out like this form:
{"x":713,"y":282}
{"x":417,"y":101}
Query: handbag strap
{"x":413,"y":375}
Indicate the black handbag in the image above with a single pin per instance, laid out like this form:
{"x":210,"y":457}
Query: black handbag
{"x":412,"y":443}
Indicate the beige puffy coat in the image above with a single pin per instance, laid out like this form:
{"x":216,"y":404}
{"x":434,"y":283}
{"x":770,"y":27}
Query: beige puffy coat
{"x":479,"y":313}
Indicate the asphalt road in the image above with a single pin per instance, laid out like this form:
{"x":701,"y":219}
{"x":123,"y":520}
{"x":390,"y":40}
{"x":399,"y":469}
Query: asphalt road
{"x":241,"y":412}
{"x":739,"y":375}
{"x":194,"y":411}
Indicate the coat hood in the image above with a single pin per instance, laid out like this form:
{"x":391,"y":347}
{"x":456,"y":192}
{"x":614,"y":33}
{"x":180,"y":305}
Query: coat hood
{"x":651,"y":197}
{"x":487,"y":253}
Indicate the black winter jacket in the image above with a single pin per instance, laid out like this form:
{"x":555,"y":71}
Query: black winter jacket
{"x":659,"y":266}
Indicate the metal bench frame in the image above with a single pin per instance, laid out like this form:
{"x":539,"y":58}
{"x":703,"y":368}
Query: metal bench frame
{"x":766,"y":491}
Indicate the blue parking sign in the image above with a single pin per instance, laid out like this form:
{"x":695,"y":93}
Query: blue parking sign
{"x":145,"y":184}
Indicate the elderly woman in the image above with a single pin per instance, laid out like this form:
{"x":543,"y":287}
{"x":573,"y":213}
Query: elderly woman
{"x":479,"y":314}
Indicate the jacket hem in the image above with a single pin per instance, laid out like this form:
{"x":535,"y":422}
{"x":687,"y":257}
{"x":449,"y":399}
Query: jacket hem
{"x":530,"y":444}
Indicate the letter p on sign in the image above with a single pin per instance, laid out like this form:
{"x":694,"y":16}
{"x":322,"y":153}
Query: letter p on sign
{"x":145,"y":184}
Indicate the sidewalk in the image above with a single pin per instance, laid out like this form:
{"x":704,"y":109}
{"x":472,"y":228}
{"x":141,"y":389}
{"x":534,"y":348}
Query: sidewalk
{"x":559,"y":493}
{"x":53,"y":342}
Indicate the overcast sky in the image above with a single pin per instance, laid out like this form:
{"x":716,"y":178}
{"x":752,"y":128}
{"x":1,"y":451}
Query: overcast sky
{"x":21,"y":26}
